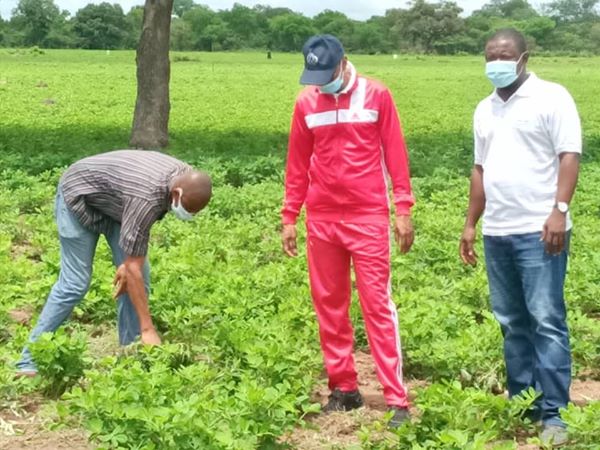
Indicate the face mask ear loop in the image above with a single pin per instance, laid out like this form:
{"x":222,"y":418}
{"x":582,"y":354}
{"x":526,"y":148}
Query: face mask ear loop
{"x":341,"y":75}
{"x":180,"y":195}
{"x":519,"y":60}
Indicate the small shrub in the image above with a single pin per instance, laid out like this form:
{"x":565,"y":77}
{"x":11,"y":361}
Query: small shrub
{"x":61,"y":359}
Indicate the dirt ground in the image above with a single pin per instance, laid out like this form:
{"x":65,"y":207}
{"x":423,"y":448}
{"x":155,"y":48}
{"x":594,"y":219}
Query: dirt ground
{"x":25,"y":428}
{"x":585,"y":391}
{"x":339,"y":430}
{"x":35,"y":438}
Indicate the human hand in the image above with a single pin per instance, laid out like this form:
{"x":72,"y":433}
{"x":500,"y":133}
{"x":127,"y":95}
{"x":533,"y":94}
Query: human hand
{"x":288,"y":240}
{"x":466,"y":248}
{"x":404,"y":233}
{"x":553,"y":233}
{"x":120,"y":281}
{"x":150,"y":337}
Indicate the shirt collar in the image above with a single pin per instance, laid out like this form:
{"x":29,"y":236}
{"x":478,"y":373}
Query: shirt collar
{"x":527,"y":89}
{"x":352,"y":82}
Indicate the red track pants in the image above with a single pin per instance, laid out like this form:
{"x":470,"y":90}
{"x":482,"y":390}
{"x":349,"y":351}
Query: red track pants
{"x":331,"y":248}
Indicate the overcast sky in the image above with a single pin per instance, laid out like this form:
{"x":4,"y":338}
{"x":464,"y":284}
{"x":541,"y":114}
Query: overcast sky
{"x":355,"y":9}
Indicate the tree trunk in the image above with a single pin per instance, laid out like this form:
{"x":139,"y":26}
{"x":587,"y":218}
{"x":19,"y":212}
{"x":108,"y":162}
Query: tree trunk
{"x":151,"y":117}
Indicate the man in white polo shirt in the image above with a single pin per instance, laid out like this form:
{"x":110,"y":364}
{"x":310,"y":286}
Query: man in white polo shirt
{"x":527,"y":148}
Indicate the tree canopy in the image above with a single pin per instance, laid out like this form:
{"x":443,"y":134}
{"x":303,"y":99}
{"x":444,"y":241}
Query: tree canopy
{"x":422,"y":27}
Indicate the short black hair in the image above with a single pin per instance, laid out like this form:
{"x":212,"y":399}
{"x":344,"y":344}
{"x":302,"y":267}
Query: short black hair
{"x":512,"y":35}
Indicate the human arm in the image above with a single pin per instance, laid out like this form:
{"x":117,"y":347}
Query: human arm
{"x":396,"y":161}
{"x":130,"y":279}
{"x":476,"y":208}
{"x":564,"y":128}
{"x":138,"y":217}
{"x":300,"y":148}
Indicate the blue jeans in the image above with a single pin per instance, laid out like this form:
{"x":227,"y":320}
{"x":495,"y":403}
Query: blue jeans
{"x":526,"y":289}
{"x":77,"y":249}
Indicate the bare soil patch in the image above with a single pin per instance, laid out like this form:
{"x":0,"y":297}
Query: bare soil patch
{"x":585,"y":391}
{"x":21,"y":316}
{"x":23,"y":426}
{"x":340,"y":430}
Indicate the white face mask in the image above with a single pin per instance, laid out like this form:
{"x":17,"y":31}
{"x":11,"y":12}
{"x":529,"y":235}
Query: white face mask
{"x":179,"y":211}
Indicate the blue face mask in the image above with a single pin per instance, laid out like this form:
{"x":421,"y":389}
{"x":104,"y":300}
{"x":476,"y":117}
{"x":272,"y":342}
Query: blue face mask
{"x":179,"y":211}
{"x":502,"y":73}
{"x":333,"y":86}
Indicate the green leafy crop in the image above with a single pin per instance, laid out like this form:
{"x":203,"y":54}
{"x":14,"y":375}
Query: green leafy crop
{"x":241,"y":355}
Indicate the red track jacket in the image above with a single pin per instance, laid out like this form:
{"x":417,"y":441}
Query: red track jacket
{"x":341,"y":150}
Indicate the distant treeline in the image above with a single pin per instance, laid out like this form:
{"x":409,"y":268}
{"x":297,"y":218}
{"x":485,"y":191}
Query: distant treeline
{"x":561,"y":26}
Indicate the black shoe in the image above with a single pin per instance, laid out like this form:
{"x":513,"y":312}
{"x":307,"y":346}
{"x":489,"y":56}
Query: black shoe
{"x":343,"y":401}
{"x":400,"y":416}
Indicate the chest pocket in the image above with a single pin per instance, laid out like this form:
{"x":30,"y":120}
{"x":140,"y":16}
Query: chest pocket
{"x":530,"y":129}
{"x":527,"y":124}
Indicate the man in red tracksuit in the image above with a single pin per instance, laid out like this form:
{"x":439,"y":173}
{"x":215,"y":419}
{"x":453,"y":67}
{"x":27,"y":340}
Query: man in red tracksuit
{"x":345,"y":141}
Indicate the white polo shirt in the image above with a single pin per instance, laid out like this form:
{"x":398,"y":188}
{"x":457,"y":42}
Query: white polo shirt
{"x":518,"y":143}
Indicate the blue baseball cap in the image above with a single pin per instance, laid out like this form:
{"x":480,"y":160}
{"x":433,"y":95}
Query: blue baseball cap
{"x":322,"y":54}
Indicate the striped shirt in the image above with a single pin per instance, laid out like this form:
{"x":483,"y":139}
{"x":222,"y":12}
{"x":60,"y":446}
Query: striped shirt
{"x":130,"y":187}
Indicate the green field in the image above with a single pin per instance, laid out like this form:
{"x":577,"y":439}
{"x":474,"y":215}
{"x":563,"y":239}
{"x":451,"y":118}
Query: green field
{"x":242,"y":355}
